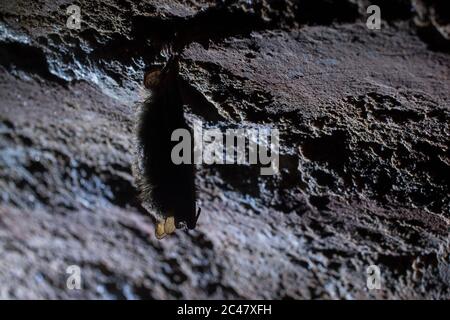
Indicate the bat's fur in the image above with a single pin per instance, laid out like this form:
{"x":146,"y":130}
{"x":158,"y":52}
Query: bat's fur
{"x":165,"y":188}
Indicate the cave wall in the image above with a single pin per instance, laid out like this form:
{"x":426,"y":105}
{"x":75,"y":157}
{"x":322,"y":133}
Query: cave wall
{"x":364,"y":163}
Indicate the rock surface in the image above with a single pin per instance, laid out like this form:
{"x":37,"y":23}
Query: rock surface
{"x":364,"y":160}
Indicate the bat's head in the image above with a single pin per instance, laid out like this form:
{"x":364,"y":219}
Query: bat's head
{"x":169,"y":224}
{"x":161,"y":70}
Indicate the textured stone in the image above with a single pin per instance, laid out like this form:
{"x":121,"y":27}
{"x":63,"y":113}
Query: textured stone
{"x":364,"y":158}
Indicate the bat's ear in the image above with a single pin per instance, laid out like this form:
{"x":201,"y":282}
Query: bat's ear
{"x":151,"y":79}
{"x":169,"y":225}
{"x":159,"y":231}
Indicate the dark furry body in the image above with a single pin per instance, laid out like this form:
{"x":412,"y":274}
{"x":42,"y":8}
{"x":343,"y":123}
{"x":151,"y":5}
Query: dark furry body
{"x":165,"y":188}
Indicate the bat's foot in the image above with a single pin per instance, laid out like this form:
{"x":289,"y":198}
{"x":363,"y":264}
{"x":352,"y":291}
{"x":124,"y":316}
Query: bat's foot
{"x":165,"y":227}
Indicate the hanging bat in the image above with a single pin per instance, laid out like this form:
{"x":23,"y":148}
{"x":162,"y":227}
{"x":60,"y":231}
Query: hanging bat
{"x":166,"y":190}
